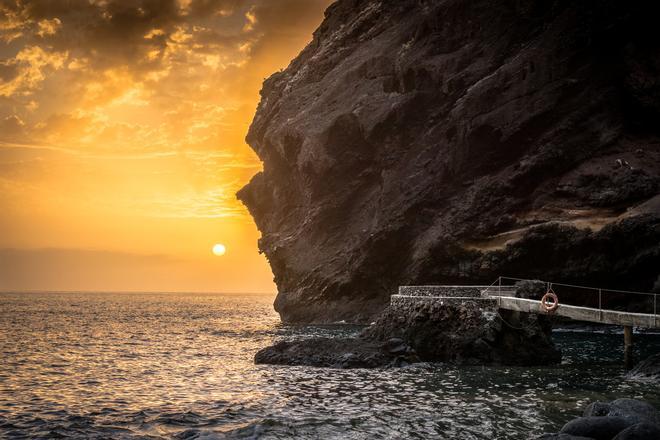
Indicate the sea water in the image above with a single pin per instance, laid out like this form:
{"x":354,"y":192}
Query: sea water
{"x":104,"y":365}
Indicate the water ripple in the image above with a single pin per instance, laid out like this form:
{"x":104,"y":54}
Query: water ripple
{"x":162,"y":366}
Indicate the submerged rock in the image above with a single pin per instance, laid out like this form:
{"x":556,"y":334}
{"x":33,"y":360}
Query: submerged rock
{"x":648,"y":369}
{"x":621,"y":419}
{"x":453,"y":141}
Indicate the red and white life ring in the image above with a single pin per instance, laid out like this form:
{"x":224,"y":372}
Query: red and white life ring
{"x":550,"y":302}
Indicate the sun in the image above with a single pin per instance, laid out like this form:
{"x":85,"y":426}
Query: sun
{"x":219,"y":249}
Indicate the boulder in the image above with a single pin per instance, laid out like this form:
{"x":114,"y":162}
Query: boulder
{"x":598,"y":428}
{"x":561,"y":437}
{"x":334,"y":353}
{"x":597,"y":409}
{"x":640,"y":431}
{"x":621,"y":419}
{"x":635,"y":411}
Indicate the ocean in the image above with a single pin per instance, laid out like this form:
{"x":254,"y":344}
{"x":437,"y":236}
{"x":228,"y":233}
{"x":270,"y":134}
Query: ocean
{"x":175,"y":365}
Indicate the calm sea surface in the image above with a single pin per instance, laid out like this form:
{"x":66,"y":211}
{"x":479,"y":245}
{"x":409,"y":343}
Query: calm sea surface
{"x":180,"y":366}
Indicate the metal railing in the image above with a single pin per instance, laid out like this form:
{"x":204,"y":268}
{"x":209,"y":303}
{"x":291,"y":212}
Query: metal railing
{"x":584,"y":296}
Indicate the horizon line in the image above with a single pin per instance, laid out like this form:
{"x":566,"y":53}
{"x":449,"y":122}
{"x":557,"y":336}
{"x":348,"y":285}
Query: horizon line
{"x":138,"y":292}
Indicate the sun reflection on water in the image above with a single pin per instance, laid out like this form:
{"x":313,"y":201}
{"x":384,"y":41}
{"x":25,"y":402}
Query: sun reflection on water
{"x":120,"y":365}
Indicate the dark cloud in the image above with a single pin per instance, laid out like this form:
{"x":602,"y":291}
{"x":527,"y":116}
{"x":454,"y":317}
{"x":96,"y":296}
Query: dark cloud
{"x":210,"y":8}
{"x":112,"y":33}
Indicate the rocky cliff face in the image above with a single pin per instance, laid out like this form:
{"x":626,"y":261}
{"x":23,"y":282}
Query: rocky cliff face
{"x":452,"y":141}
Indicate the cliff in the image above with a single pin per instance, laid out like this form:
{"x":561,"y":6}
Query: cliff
{"x":452,"y":141}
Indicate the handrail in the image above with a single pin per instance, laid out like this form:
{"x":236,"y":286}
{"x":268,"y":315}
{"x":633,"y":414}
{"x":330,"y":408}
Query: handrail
{"x":600,"y":290}
{"x":579,"y":287}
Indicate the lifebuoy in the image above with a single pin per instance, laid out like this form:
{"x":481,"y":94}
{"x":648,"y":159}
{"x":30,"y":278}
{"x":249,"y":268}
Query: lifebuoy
{"x":549,"y":302}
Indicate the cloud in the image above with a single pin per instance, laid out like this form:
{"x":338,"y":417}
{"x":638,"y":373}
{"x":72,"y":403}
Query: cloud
{"x":29,"y":68}
{"x":146,"y":76}
{"x":48,"y":27}
{"x":123,"y":123}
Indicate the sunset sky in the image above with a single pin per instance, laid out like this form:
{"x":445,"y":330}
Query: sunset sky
{"x":122,"y":128}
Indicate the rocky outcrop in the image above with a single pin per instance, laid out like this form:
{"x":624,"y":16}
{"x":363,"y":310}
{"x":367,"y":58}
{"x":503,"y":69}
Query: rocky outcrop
{"x":338,"y":353}
{"x":622,"y":419}
{"x":457,"y":333}
{"x":417,"y":142}
{"x":467,"y":334}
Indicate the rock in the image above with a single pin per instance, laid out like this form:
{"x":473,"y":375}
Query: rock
{"x":597,"y":409}
{"x":333,"y":353}
{"x":396,"y":346}
{"x":640,"y":431}
{"x":531,"y":289}
{"x":648,"y":369}
{"x":598,"y":428}
{"x":620,"y":419}
{"x":465,"y":333}
{"x":635,"y":411}
{"x":455,"y":333}
{"x":453,"y":142}
{"x":561,"y":437}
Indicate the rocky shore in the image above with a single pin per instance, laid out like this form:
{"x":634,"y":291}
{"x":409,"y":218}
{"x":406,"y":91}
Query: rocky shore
{"x":621,"y":419}
{"x":459,"y":333}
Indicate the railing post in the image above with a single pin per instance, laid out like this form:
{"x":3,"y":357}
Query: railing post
{"x":499,"y":288}
{"x":600,"y":304}
{"x":655,"y":311}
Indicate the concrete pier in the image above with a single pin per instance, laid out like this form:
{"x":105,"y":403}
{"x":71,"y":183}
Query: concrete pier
{"x":496,"y":297}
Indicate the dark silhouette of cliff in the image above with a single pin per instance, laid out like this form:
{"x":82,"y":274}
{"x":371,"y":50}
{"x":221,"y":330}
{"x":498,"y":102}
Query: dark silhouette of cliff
{"x":452,"y":141}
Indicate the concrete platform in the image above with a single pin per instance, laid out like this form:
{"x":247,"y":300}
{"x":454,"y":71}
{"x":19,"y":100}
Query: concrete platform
{"x":503,"y":297}
{"x":601,"y":316}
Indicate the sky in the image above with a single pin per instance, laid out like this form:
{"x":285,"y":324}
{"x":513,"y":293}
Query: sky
{"x":122,"y":127}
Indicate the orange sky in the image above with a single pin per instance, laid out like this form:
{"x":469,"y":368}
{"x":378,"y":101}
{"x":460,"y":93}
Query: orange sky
{"x":121,"y":139}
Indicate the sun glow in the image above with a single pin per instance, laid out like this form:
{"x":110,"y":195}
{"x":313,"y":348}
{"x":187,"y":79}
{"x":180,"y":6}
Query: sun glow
{"x":219,"y":250}
{"x":122,"y":128}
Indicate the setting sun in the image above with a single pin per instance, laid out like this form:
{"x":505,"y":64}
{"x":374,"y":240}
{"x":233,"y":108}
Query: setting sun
{"x":122,"y":128}
{"x":219,"y":249}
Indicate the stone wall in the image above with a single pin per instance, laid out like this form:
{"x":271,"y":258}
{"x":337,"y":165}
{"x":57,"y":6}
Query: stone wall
{"x":444,"y":291}
{"x":407,"y":303}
